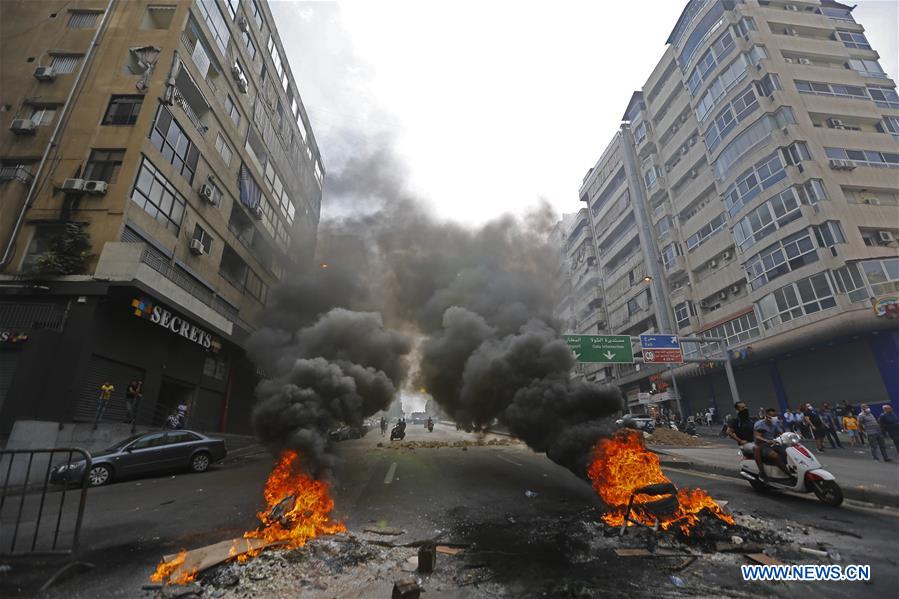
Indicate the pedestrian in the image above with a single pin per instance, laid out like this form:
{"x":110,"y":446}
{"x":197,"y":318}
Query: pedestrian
{"x":383,"y":426}
{"x":789,"y":422}
{"x":814,"y":422}
{"x":839,"y":412}
{"x":133,"y":395}
{"x":106,"y":390}
{"x":804,"y":429}
{"x":830,"y":426}
{"x":850,"y":425}
{"x":889,"y":424}
{"x":708,"y":418}
{"x":868,"y":423}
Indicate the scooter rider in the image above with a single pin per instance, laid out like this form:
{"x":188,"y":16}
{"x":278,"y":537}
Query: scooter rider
{"x":740,"y":428}
{"x":766,"y":431}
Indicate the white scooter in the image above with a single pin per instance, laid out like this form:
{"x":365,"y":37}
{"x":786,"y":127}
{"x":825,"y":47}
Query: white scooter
{"x":806,"y":473}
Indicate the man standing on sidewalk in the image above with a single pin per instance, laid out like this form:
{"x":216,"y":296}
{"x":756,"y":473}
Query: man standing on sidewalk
{"x":889,"y":424}
{"x":830,"y":427}
{"x":868,"y":423}
{"x":106,"y":390}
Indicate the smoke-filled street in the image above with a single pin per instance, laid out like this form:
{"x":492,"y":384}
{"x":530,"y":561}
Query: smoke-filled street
{"x":514,"y":524}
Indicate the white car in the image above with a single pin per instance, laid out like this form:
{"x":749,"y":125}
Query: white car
{"x":640,"y":422}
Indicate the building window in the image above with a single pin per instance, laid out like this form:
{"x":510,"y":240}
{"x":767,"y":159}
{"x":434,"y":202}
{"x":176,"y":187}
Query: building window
{"x":882,"y":275}
{"x":232,"y":268}
{"x":806,"y":296}
{"x":256,"y":287}
{"x":864,"y":157}
{"x":795,"y":153}
{"x":257,"y":14}
{"x":831,"y":89}
{"x":750,"y":183}
{"x":223,"y":149}
{"x":249,"y":45}
{"x":682,"y":313}
{"x":216,"y":22}
{"x":41,"y":243}
{"x":201,"y":235}
{"x":829,"y":233}
{"x":64,"y":64}
{"x":639,"y":132}
{"x":232,"y":7}
{"x":705,"y":232}
{"x":170,"y":139}
{"x":885,"y":97}
{"x":157,"y":17}
{"x":866,"y":68}
{"x":849,"y":281}
{"x":789,"y":254}
{"x":42,"y":115}
{"x":726,"y":120}
{"x":767,"y":85}
{"x":233,"y":112}
{"x":737,"y":332}
{"x":852,"y":39}
{"x":104,"y":165}
{"x":215,"y":367}
{"x":123,"y":110}
{"x":82,"y":19}
{"x":728,"y":78}
{"x":669,"y":255}
{"x":158,"y":197}
{"x":651,"y":177}
{"x":774,"y":214}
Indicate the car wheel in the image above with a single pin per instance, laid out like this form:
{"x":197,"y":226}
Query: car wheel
{"x":200,"y":462}
{"x":99,"y":475}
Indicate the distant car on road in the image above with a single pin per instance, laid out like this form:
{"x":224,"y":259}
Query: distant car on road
{"x":419,"y":417}
{"x":345,"y":432}
{"x":640,"y":422}
{"x":147,"y":453}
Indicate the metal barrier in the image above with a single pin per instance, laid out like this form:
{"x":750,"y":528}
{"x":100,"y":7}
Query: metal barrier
{"x":29,"y":500}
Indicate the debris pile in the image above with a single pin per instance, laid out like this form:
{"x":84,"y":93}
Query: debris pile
{"x":669,"y":436}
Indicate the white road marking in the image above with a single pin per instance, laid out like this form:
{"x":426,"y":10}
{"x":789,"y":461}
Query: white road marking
{"x":390,"y":472}
{"x":505,"y":459}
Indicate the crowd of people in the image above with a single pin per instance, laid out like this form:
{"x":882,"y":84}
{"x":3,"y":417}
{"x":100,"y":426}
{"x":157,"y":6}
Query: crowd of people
{"x":857,"y":422}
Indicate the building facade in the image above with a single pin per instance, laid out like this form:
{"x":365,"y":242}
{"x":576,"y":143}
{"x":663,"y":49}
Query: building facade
{"x":752,"y":193}
{"x":158,"y":175}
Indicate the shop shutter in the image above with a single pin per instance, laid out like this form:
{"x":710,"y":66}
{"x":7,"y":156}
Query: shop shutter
{"x":207,"y":414}
{"x":8,"y":362}
{"x":99,"y":370}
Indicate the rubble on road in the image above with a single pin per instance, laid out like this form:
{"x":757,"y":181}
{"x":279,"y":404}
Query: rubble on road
{"x":504,"y":442}
{"x":669,"y":436}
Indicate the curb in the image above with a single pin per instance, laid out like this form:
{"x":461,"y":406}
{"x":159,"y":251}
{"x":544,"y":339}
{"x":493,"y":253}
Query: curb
{"x":855,"y":493}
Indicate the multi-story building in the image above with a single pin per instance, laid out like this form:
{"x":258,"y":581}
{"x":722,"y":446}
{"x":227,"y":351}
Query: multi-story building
{"x":159,"y":175}
{"x":753,"y":188}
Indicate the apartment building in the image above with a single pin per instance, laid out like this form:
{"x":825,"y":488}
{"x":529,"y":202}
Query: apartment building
{"x":753,"y":190}
{"x":158,"y":176}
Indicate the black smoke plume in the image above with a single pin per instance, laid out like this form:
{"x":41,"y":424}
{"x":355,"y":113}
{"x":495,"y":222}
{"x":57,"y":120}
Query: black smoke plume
{"x":337,"y":340}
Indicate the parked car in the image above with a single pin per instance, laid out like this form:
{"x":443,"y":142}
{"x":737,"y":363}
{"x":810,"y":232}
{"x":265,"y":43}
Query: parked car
{"x":341,"y":433}
{"x":147,"y":453}
{"x":640,"y":422}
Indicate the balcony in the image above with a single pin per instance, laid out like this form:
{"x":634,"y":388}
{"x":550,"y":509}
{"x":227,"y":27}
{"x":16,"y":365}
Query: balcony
{"x":17,"y":172}
{"x":124,"y":262}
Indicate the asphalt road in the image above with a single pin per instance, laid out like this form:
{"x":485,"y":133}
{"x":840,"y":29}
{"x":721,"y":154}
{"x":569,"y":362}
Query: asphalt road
{"x":474,"y":496}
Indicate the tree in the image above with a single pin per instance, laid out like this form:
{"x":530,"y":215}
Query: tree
{"x":68,"y":252}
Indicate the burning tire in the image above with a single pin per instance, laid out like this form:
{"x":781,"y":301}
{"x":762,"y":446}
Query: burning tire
{"x":99,"y":475}
{"x":828,"y":491}
{"x":200,"y":462}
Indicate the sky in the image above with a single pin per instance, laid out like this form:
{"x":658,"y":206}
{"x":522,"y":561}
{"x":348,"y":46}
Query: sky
{"x":489,"y":107}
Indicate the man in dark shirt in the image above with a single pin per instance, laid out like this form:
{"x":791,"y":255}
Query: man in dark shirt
{"x":739,"y":428}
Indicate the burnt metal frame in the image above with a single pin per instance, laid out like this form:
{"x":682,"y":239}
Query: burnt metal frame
{"x":11,"y":454}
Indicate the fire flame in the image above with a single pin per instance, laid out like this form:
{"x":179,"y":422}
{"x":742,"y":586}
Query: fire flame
{"x":621,"y":464}
{"x":309,"y":514}
{"x":165,"y":569}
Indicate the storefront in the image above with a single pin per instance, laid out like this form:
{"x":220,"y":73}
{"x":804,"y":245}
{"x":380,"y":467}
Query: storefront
{"x":54,"y":370}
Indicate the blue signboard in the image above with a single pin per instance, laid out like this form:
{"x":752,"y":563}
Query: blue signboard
{"x":659,"y":342}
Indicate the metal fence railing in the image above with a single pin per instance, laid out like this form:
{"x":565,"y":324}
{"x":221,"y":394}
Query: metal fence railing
{"x":38,"y":515}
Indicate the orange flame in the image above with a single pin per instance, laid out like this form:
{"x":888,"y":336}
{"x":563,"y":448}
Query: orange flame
{"x":165,"y":569}
{"x":622,"y":464}
{"x":306,"y":518}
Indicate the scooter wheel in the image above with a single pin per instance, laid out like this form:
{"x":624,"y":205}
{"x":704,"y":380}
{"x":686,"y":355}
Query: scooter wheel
{"x":828,"y":491}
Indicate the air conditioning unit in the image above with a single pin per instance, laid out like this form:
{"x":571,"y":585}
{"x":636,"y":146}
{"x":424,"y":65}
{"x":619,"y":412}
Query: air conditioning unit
{"x":692,"y":141}
{"x":667,"y":168}
{"x":788,"y":60}
{"x":684,"y":150}
{"x":713,"y":264}
{"x":22,"y":126}
{"x":842,"y":165}
{"x":196,"y":246}
{"x":835,"y":123}
{"x":72,"y":185}
{"x":885,"y":237}
{"x":791,"y":7}
{"x":735,"y":289}
{"x":96,"y":188}
{"x":207,"y":192}
{"x":722,"y":295}
{"x":242,"y":85}
{"x":683,"y":118}
{"x":790,"y":31}
{"x":256,"y":211}
{"x":804,"y":61}
{"x":703,"y":303}
{"x":725,"y":256}
{"x":871,"y":201}
{"x":694,"y":173}
{"x":236,"y":71}
{"x":45,"y":73}
{"x":242,"y":23}
{"x":674,"y":128}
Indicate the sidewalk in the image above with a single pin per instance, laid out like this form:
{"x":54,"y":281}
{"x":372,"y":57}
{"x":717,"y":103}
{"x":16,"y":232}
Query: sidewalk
{"x":860,"y":477}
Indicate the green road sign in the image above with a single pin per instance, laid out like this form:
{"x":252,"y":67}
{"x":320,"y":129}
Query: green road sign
{"x":601,"y":349}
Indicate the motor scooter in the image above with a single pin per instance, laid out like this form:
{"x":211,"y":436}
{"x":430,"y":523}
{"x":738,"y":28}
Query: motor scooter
{"x":397,"y":433}
{"x":430,"y":425}
{"x":806,"y":474}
